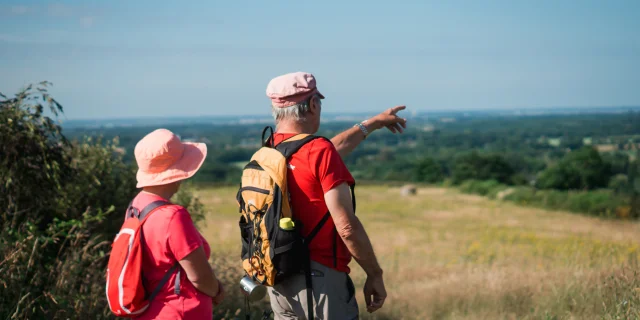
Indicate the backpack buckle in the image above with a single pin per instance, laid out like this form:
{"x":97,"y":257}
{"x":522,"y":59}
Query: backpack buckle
{"x":133,"y":213}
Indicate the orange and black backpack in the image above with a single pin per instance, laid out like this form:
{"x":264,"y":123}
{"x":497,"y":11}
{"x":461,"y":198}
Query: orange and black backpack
{"x":271,"y":253}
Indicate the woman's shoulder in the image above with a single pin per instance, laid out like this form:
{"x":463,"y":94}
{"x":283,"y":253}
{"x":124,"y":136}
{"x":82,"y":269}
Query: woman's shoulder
{"x":143,"y":199}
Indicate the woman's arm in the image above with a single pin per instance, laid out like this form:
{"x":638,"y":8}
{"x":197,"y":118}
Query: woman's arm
{"x":200,"y":273}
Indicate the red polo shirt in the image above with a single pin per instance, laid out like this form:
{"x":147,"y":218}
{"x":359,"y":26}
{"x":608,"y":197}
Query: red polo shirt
{"x":312,"y":171}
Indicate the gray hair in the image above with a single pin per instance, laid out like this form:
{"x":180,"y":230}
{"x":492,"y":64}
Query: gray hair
{"x":295,"y":112}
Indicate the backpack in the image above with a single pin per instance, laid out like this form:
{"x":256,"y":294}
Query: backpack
{"x":270,"y":253}
{"x":126,"y":294}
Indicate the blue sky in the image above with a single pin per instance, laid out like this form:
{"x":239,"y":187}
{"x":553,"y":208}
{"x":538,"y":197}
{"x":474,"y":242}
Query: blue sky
{"x":118,"y":59}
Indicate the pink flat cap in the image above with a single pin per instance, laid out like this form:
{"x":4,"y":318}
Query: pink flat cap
{"x":292,"y":88}
{"x":162,"y":158}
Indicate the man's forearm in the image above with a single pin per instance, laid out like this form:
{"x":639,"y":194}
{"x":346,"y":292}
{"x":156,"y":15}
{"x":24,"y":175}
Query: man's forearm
{"x":359,"y":245}
{"x":348,"y":140}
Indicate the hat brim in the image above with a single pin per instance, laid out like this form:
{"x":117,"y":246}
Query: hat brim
{"x":191,"y":161}
{"x":284,"y":102}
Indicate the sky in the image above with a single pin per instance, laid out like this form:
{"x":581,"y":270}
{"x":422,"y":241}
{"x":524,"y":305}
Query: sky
{"x":124,"y":59}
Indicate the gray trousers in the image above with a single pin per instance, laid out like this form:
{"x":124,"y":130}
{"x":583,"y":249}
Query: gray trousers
{"x":333,"y":296}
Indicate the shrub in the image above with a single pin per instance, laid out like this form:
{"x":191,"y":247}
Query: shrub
{"x":603,"y":203}
{"x":489,"y":188}
{"x":583,"y":169}
{"x":619,"y":183}
{"x":476,"y":166}
{"x":428,"y":170}
{"x":61,"y":203}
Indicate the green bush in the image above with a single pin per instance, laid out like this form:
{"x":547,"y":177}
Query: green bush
{"x":477,"y":166}
{"x":620,"y":184}
{"x":61,"y":203}
{"x":582,"y":169}
{"x":489,"y":188}
{"x":603,"y":203}
{"x":428,"y":170}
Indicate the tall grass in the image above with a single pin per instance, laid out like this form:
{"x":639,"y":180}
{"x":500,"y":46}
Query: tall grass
{"x":448,"y":255}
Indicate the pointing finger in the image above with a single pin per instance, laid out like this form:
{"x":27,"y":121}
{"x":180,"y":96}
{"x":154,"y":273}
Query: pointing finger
{"x":395,"y":109}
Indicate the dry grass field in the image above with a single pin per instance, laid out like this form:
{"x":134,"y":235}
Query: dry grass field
{"x":448,"y":255}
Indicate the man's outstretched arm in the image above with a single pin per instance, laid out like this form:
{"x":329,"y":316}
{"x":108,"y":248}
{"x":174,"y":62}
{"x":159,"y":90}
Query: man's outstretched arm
{"x":348,"y":140}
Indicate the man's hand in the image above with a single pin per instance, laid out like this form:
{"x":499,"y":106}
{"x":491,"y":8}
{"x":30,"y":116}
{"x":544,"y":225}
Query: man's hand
{"x":220,"y":296}
{"x":389,"y":119}
{"x":374,"y":293}
{"x":349,"y":139}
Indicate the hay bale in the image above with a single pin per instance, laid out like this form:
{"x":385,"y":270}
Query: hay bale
{"x":408,"y":190}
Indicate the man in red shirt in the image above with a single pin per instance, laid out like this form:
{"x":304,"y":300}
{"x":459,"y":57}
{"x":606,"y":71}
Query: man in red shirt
{"x":318,"y":182}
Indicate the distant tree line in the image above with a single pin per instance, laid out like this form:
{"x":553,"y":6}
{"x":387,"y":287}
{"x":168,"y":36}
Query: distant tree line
{"x":550,"y":152}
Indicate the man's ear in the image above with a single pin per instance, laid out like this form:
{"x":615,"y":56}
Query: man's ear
{"x":313,"y":105}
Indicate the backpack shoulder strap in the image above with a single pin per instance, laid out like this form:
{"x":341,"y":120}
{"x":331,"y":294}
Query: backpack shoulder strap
{"x":142,"y":215}
{"x":164,"y":280}
{"x":326,"y":216}
{"x":151,"y":207}
{"x":292,"y":145}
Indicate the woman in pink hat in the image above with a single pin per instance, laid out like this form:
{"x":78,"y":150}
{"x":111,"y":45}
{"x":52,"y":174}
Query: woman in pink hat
{"x":169,"y":233}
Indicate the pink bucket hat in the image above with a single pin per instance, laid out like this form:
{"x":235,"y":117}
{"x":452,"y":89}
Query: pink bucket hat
{"x":162,"y":158}
{"x":292,"y":88}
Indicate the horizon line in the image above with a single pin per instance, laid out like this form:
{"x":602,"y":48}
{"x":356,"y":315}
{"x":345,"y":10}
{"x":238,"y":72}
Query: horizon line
{"x":416,"y":112}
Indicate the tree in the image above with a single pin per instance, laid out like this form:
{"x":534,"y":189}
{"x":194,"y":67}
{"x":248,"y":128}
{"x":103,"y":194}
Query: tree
{"x":582,"y":169}
{"x":619,"y":162}
{"x":476,"y":166}
{"x":429,"y":170}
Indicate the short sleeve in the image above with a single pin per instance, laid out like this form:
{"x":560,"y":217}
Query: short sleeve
{"x":327,"y":165}
{"x":183,"y":237}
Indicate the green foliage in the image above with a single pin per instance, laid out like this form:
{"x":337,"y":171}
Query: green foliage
{"x":512,"y":150}
{"x":489,"y":188}
{"x":215,"y":172}
{"x":61,"y":204}
{"x":186,"y":198}
{"x":476,"y":166}
{"x":603,"y":203}
{"x":619,"y":183}
{"x":581,"y":169}
{"x":618,"y":161}
{"x":429,"y":170}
